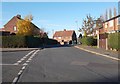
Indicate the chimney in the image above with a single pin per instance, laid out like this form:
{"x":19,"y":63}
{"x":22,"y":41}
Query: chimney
{"x":18,"y":16}
{"x":64,"y":29}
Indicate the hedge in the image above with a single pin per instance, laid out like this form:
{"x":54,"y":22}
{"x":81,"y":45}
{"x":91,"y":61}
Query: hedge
{"x":90,"y":41}
{"x":114,"y":41}
{"x":25,"y":41}
{"x":13,"y":41}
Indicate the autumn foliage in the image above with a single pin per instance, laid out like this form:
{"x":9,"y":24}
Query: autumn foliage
{"x":24,"y":28}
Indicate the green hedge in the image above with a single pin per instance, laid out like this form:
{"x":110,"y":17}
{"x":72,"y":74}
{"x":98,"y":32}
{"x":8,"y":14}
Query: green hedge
{"x":114,"y":40}
{"x":25,"y":41}
{"x":13,"y":41}
{"x":90,"y":41}
{"x":48,"y":41}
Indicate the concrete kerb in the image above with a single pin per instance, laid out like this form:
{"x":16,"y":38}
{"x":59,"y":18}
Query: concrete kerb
{"x":107,"y":56}
{"x":18,"y":49}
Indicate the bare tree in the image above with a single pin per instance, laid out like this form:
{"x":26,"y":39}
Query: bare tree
{"x":110,"y":13}
{"x":29,"y":17}
{"x":115,"y":13}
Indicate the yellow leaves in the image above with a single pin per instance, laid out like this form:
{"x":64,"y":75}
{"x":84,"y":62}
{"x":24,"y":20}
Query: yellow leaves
{"x":24,"y":28}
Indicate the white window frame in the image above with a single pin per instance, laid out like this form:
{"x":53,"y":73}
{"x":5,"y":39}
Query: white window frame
{"x":14,"y":28}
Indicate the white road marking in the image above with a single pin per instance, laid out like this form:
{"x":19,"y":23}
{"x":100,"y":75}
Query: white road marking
{"x":23,"y":67}
{"x":20,"y":72}
{"x":22,"y":59}
{"x":19,"y":61}
{"x":107,"y":56}
{"x":27,"y":61}
{"x":25,"y":64}
{"x":8,"y":64}
{"x":15,"y":79}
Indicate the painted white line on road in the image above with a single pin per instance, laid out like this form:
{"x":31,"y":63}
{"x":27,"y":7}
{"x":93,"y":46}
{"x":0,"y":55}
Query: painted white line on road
{"x":15,"y":79}
{"x":25,"y":64}
{"x":22,"y":59}
{"x":19,"y":61}
{"x":107,"y":56}
{"x":20,"y":72}
{"x":27,"y":61}
{"x":8,"y":64}
{"x":23,"y":67}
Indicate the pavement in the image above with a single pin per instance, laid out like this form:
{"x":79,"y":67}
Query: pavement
{"x":100,"y":51}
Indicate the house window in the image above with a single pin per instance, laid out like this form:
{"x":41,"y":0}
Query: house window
{"x":59,"y":37}
{"x":106,"y":25}
{"x":14,"y":28}
{"x":111,"y":23}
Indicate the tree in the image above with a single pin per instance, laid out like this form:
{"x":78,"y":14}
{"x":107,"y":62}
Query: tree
{"x":88,"y":24}
{"x":110,"y":13}
{"x":28,"y":17}
{"x":26,"y":27}
{"x":115,"y":12}
{"x":106,"y":15}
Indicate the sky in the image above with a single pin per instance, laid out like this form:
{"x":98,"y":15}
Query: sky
{"x":55,"y":16}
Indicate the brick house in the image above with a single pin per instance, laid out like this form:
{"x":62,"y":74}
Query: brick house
{"x":65,"y":37}
{"x":3,"y":32}
{"x":11,"y":25}
{"x":109,"y":26}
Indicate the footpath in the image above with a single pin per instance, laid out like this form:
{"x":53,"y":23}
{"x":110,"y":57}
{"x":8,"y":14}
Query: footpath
{"x":99,"y":51}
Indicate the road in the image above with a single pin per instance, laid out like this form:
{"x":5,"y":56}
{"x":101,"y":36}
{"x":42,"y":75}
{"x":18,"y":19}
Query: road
{"x":59,"y":64}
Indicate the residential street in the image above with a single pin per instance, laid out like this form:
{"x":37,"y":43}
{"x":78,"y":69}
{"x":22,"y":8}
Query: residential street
{"x":59,"y":64}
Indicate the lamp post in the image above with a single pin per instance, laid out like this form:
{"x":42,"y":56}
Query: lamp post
{"x":77,"y":30}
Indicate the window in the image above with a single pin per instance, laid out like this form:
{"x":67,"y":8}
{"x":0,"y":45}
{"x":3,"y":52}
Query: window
{"x":59,"y":37}
{"x":54,"y":37}
{"x":106,"y":25}
{"x":111,"y":23}
{"x":14,"y":28}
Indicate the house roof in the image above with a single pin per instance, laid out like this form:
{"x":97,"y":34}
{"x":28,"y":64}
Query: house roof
{"x":112,"y":18}
{"x":13,"y":20}
{"x":63,"y":33}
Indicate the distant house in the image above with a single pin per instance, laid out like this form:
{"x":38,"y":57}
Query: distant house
{"x":65,"y":37}
{"x":11,"y":25}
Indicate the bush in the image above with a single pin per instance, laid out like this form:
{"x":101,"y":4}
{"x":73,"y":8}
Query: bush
{"x":90,"y":41}
{"x":20,"y":41}
{"x":13,"y":41}
{"x":25,"y":41}
{"x":33,"y":41}
{"x":113,"y":40}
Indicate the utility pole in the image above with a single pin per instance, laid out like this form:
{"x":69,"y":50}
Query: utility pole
{"x":77,"y":29}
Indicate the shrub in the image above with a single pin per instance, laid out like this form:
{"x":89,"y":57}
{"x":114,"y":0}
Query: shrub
{"x":113,"y":40}
{"x":90,"y":41}
{"x":25,"y":41}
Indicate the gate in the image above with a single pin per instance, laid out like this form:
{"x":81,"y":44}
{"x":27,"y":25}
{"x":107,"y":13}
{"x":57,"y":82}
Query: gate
{"x":102,"y":40}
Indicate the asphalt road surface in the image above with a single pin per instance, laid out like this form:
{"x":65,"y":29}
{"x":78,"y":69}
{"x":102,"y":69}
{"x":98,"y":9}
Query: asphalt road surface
{"x":59,"y":64}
